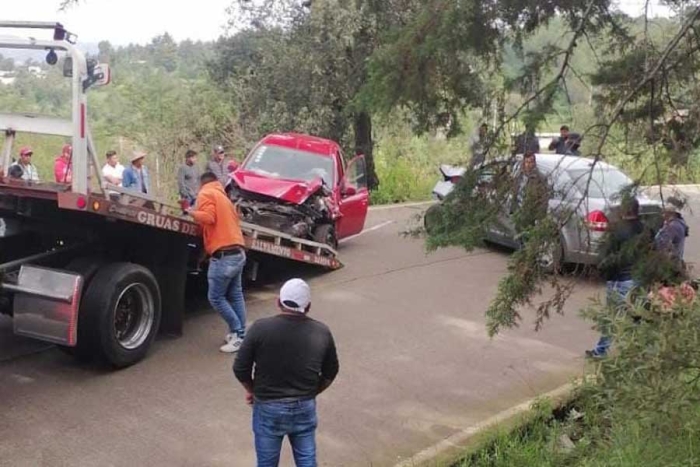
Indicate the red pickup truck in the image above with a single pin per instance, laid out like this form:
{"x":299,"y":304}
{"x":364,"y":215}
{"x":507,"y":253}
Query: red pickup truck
{"x":300,"y":185}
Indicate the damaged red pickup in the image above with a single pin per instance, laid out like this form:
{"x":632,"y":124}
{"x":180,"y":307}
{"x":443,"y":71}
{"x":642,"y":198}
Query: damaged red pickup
{"x":300,"y":185}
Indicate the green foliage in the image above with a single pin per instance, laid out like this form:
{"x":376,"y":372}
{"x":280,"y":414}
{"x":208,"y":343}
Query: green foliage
{"x":642,"y":407}
{"x":160,"y":100}
{"x":298,"y":68}
{"x":408,"y":165}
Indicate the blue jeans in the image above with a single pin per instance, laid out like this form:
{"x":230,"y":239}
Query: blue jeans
{"x":616,"y":292}
{"x":225,"y":278}
{"x":272,"y":420}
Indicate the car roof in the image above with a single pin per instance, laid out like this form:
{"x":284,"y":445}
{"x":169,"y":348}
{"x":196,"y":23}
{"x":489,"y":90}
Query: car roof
{"x":553,"y":161}
{"x":308,"y":143}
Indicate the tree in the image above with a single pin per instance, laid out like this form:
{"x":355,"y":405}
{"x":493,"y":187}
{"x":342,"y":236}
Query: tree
{"x":7,"y":63}
{"x":163,"y":51}
{"x":324,"y":46}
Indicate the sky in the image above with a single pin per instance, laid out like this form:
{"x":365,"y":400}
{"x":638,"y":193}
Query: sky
{"x":128,"y":21}
{"x":137,"y":21}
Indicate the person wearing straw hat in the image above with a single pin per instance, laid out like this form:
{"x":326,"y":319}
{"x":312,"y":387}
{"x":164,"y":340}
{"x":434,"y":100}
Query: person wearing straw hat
{"x":671,"y":237}
{"x":135,"y":177}
{"x":284,"y":363}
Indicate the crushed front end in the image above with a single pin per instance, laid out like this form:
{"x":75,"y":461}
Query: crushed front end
{"x":298,"y":220}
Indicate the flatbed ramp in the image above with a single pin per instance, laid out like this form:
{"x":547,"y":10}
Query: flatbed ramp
{"x":161,"y":216}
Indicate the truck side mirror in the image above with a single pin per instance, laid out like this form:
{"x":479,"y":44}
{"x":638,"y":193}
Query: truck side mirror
{"x":349,"y":190}
{"x":102,"y":75}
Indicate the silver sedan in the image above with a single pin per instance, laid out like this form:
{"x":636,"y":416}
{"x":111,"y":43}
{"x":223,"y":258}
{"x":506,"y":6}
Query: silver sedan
{"x":585,"y":196}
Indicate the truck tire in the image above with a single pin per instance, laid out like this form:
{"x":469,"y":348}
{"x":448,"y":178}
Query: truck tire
{"x":325,"y":233}
{"x":120,"y":313}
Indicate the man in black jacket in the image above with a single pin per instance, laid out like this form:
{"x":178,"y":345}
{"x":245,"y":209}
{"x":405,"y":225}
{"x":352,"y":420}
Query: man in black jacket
{"x":629,"y":242}
{"x":284,"y":363}
{"x":567,"y":144}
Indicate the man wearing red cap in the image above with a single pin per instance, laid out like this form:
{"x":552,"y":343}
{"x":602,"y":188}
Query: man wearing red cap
{"x":29,"y":172}
{"x":62,"y":165}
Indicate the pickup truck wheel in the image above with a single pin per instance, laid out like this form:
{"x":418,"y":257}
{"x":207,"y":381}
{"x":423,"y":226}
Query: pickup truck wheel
{"x":430,"y":217}
{"x":122,"y":308}
{"x":325,"y":233}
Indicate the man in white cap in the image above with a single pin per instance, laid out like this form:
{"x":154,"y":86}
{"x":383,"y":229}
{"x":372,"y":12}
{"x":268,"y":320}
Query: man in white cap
{"x":284,"y":363}
{"x":135,"y":177}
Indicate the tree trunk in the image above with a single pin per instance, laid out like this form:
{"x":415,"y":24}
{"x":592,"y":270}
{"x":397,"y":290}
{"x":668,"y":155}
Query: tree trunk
{"x":364,"y":145}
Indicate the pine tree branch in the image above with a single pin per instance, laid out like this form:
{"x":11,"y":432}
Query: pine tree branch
{"x":552,"y":84}
{"x":646,"y":79}
{"x":619,"y":107}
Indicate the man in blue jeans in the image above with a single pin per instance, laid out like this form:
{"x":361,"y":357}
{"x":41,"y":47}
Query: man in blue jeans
{"x":628,"y":242}
{"x":224,"y":242}
{"x":284,"y":363}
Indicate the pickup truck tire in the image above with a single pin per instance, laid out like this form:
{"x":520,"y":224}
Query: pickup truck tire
{"x":325,"y":233}
{"x":120,"y":313}
{"x":430,"y":217}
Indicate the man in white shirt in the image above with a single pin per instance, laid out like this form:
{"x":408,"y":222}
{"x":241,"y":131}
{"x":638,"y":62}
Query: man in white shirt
{"x":113,"y":171}
{"x":29,"y":172}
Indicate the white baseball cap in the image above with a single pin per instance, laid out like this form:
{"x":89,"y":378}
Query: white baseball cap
{"x":295,"y":295}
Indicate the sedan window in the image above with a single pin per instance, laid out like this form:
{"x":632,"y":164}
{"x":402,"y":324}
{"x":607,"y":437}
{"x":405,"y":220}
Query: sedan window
{"x":605,"y":183}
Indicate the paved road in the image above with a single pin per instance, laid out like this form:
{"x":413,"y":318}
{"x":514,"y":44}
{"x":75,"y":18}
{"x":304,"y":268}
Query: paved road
{"x":416,"y":367}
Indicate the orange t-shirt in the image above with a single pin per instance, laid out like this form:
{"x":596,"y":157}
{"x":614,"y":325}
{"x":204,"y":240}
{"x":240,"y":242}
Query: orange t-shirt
{"x":221,"y":226}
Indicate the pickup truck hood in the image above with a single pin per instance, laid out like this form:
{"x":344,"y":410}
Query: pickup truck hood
{"x":291,"y":191}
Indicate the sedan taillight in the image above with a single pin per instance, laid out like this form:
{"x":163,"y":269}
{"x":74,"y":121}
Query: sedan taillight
{"x":597,"y":221}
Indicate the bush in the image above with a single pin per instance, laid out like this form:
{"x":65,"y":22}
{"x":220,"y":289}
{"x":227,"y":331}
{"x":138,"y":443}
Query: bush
{"x":408,"y":166}
{"x":643,"y":407}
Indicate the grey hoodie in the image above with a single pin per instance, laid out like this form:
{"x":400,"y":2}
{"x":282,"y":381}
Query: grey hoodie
{"x":671,"y":237}
{"x":188,"y":181}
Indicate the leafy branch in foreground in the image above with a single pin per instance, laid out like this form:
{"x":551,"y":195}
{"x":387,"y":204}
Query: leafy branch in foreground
{"x":525,"y":278}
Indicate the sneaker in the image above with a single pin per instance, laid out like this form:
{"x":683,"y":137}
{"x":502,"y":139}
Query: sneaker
{"x":229,"y":337}
{"x":232,"y":345}
{"x":594,"y":354}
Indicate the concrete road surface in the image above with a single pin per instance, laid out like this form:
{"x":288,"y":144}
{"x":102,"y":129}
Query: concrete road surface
{"x":416,"y":367}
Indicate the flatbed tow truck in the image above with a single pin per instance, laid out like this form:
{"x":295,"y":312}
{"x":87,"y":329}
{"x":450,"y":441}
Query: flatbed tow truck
{"x":89,"y":266}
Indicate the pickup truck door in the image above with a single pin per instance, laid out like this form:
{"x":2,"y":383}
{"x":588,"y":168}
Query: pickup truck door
{"x":354,"y":199}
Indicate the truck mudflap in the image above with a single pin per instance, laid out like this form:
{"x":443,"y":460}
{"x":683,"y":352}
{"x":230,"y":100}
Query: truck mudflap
{"x":160,"y":216}
{"x":46,"y":304}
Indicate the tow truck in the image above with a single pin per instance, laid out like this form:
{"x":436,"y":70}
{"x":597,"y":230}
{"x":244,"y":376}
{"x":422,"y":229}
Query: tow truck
{"x":92,"y":267}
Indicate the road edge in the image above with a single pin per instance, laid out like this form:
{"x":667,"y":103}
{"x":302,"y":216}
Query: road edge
{"x":451,"y":449}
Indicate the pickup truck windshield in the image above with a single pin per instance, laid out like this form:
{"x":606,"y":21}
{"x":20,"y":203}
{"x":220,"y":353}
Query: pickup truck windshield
{"x":291,"y":164}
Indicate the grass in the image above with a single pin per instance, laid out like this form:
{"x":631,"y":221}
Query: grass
{"x":408,"y":165}
{"x":623,"y":441}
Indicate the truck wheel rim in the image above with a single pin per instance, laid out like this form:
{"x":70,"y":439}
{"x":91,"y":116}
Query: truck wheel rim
{"x":133,"y":316}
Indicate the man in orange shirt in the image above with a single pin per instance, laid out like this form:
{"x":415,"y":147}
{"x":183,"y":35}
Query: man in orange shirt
{"x":223,"y":241}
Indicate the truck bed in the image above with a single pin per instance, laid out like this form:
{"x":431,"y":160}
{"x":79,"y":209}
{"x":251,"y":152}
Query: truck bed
{"x":157,"y":215}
